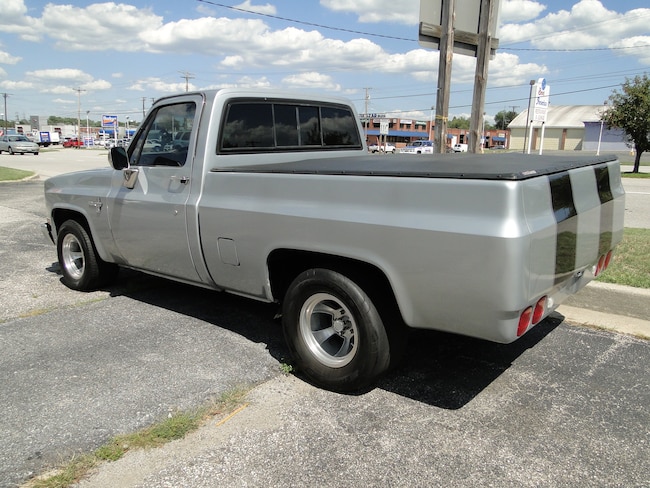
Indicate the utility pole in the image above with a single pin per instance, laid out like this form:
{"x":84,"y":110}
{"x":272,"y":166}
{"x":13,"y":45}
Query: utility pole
{"x":79,"y":90}
{"x":188,"y":76}
{"x":444,"y":74}
{"x":143,"y":111}
{"x":367,"y":99}
{"x":5,"y":95}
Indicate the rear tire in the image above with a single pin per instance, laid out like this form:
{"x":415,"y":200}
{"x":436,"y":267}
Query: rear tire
{"x":81,"y":266}
{"x":334,"y":331}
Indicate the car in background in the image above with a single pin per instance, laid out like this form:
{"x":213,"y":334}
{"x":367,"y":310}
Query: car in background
{"x":152,"y":145}
{"x":387,"y":147}
{"x":460,"y":148}
{"x":499,"y":147}
{"x":74,"y":142}
{"x":419,"y":147}
{"x":18,"y":144}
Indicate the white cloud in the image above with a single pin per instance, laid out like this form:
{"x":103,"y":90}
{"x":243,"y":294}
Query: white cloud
{"x":267,"y":9}
{"x":73,"y":75}
{"x":159,"y":85}
{"x":587,"y":25}
{"x":519,"y":10}
{"x":373,"y":11}
{"x":6,"y":58}
{"x":16,"y":85}
{"x":311,"y":80}
{"x":99,"y":26}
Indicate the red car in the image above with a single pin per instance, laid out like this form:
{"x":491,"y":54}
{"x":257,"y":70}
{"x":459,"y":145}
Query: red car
{"x":73,"y":143}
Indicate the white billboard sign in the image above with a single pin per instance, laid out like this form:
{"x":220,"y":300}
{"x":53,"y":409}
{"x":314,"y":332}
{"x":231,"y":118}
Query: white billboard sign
{"x":466,"y":25}
{"x":542,"y":100}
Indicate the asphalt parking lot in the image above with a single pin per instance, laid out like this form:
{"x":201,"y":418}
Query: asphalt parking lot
{"x":565,"y":405}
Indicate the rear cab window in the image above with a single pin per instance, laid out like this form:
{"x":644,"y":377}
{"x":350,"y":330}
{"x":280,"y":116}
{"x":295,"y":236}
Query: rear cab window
{"x":253,"y":126}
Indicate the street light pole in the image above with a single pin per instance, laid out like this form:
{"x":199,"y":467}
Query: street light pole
{"x":528,"y":114}
{"x":600,"y":135}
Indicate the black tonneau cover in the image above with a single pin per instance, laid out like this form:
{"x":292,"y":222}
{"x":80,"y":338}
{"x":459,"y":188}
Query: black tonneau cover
{"x":502,"y":166}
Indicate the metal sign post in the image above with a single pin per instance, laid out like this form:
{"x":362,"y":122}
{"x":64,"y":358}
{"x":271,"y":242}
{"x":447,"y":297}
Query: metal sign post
{"x":472,"y":33}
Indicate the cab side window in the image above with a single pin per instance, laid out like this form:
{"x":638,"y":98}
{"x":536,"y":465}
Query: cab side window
{"x":165,"y":138}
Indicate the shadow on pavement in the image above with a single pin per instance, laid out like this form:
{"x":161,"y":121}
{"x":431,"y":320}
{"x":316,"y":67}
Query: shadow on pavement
{"x":447,"y":370}
{"x":443,"y":370}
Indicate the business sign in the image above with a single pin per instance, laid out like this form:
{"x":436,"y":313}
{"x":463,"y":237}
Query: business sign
{"x":384,"y":126}
{"x":466,"y":25}
{"x":109,"y":121}
{"x":542,"y":100}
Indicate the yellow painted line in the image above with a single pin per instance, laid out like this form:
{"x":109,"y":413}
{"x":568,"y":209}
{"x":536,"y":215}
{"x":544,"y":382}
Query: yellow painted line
{"x":232,"y":414}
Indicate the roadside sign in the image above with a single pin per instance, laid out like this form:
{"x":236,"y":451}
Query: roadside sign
{"x":466,"y":26}
{"x":542,"y":100}
{"x":383,"y":127}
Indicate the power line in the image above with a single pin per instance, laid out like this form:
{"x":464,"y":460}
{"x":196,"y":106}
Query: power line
{"x":397,"y":38}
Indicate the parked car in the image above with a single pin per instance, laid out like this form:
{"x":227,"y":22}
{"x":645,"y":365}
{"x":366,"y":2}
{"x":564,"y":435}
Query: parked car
{"x":419,"y":147}
{"x":18,"y":144}
{"x":388,"y":147}
{"x":460,"y":148}
{"x":74,"y":142}
{"x":180,"y":141}
{"x":498,"y":146}
{"x":152,"y":145}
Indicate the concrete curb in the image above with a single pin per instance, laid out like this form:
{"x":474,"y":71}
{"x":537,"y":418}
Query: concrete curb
{"x":610,"y":307}
{"x":606,"y":321}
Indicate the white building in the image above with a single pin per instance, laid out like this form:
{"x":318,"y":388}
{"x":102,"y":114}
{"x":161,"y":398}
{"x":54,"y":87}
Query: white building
{"x":567,"y":128}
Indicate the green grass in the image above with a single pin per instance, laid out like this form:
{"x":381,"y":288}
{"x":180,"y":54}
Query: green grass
{"x":176,"y":426}
{"x":9,"y":174}
{"x":630,"y":265}
{"x":629,"y":174}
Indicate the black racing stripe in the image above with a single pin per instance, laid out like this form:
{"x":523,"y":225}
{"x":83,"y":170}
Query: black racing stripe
{"x":606,"y":209}
{"x":567,"y":225}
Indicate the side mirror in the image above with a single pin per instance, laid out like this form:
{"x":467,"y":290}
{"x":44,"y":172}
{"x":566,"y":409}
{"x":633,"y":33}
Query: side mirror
{"x":117,"y":158}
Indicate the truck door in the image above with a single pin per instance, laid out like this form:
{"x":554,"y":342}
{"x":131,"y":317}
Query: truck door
{"x":147,"y":201}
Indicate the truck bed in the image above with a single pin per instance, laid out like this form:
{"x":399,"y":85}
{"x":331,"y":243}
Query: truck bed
{"x":508,"y":166}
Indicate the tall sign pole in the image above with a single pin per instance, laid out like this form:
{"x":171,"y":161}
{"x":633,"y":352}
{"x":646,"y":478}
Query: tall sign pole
{"x":470,"y":30}
{"x":483,"y":50}
{"x":444,"y":75}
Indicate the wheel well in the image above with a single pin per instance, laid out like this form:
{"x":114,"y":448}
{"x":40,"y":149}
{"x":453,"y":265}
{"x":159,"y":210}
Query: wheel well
{"x":61,"y":215}
{"x":285,"y":264}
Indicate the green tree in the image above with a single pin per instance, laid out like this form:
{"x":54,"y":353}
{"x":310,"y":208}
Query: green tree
{"x":503,"y":118}
{"x":459,"y":123}
{"x":630,"y":110}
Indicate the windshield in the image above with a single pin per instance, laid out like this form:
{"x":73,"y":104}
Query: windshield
{"x":18,"y":138}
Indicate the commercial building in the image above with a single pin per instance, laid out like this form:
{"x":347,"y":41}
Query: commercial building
{"x":567,"y":128}
{"x":402,"y":131}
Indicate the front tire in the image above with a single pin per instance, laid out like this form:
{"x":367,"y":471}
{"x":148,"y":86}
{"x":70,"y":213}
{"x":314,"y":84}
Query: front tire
{"x":81,"y":266}
{"x":334,"y":331}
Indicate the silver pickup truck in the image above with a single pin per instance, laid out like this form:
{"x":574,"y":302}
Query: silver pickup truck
{"x":273,"y":196}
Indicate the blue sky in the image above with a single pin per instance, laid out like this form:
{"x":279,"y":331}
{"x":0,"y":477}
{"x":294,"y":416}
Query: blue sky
{"x":58,"y":58}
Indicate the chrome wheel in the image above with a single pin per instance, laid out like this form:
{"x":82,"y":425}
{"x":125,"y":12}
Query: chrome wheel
{"x":329,"y":330}
{"x":73,"y":259}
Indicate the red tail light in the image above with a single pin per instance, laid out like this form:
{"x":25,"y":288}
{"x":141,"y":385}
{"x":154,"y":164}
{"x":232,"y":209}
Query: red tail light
{"x":540,"y":309}
{"x":525,"y":321}
{"x":608,"y":259}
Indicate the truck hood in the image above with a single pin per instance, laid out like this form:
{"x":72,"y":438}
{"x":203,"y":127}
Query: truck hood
{"x":80,"y":181}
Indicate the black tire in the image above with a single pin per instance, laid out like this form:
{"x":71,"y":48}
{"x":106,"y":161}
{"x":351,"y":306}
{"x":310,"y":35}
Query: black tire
{"x":334,"y":331}
{"x":81,"y":266}
{"x":11,"y":151}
